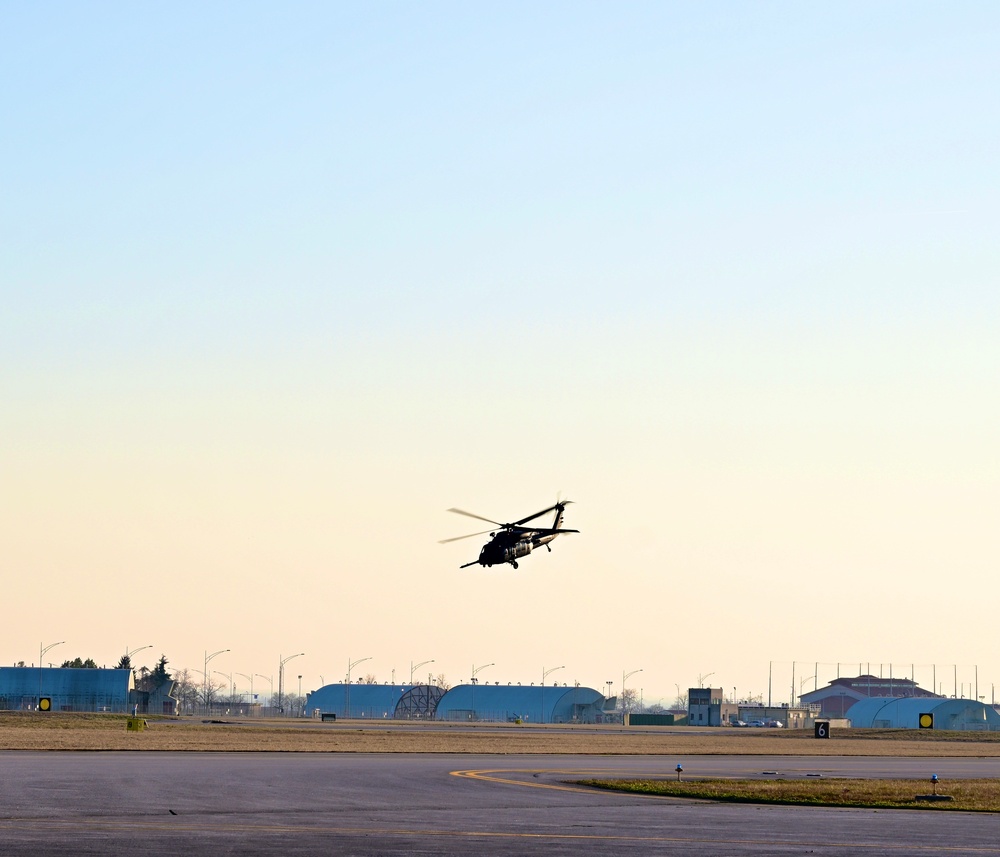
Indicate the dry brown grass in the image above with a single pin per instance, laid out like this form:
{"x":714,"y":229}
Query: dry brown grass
{"x":977,"y":795}
{"x":65,"y":731}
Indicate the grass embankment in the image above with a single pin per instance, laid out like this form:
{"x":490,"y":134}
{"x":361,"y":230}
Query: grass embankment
{"x":967,"y":795}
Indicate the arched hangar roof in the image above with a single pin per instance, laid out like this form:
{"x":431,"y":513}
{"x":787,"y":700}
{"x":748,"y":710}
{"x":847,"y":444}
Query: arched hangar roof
{"x":535,"y":704}
{"x":357,"y":700}
{"x":960,"y":714}
{"x":69,"y":689}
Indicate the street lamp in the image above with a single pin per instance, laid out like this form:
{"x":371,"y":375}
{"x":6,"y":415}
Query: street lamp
{"x":41,"y":652}
{"x":472,"y":681}
{"x":232,"y":685}
{"x":347,"y":688}
{"x":128,"y":654}
{"x":207,"y":675}
{"x":249,"y":678}
{"x":413,"y":668}
{"x":545,"y":672}
{"x":270,"y":684}
{"x":281,"y":679}
{"x":476,"y":669}
{"x":625,"y":675}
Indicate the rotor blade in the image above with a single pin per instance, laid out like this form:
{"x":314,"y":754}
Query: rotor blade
{"x":478,"y":517}
{"x":543,"y":512}
{"x":545,"y":532}
{"x":459,"y":538}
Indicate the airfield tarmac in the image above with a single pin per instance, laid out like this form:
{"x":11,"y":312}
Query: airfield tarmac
{"x":450,"y":804}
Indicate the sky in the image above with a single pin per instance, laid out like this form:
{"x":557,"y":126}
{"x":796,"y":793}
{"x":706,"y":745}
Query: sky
{"x":283,"y":285}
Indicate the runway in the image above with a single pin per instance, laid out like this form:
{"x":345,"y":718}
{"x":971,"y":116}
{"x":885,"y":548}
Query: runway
{"x":353,"y":804}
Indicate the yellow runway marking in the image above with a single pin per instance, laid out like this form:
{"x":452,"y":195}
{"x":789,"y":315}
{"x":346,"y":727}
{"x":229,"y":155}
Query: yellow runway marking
{"x":491,"y":776}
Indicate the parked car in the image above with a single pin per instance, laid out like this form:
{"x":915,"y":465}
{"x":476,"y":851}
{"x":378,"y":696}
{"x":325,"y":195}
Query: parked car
{"x":756,"y":722}
{"x":738,"y":723}
{"x":775,"y":724}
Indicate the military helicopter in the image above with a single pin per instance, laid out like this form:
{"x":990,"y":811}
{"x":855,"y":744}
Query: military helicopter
{"x":513,"y":541}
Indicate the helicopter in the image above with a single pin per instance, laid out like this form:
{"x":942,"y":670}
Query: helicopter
{"x":513,"y":541}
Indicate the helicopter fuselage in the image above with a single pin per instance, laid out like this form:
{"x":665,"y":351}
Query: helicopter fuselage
{"x":509,"y":547}
{"x":513,"y":541}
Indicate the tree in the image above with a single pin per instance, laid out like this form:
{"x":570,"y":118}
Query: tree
{"x":159,"y":675}
{"x":124,"y":663}
{"x":629,"y":699}
{"x":442,"y":682}
{"x":78,"y":664}
{"x":185,"y":690}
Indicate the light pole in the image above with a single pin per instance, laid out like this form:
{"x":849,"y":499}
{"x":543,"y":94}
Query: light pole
{"x":207,"y":674}
{"x":347,"y":689}
{"x":249,"y":678}
{"x":270,"y":685}
{"x":473,"y":682}
{"x":41,"y":652}
{"x":281,"y":679}
{"x":128,"y":654}
{"x":413,"y":668}
{"x":701,"y":678}
{"x":625,"y":675}
{"x":229,"y":680}
{"x":545,"y":672}
{"x":300,"y":687}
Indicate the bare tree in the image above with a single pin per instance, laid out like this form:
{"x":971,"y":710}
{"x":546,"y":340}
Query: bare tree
{"x":186,"y":691}
{"x":628,"y":699}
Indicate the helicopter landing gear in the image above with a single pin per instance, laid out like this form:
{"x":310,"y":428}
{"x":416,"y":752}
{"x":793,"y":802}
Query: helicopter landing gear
{"x":548,"y":548}
{"x":514,"y":563}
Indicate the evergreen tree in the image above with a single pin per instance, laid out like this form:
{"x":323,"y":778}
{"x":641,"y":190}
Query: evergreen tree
{"x":159,"y":675}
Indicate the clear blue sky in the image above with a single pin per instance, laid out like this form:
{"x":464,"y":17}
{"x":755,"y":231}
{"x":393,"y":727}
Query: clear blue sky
{"x":282,"y":285}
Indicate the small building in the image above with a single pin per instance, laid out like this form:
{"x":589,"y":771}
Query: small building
{"x":707,"y":707}
{"x":965,"y":715}
{"x":788,"y":716}
{"x":66,"y":689}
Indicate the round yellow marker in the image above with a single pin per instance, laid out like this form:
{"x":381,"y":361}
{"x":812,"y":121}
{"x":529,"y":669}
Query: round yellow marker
{"x":44,"y":704}
{"x":926,"y":721}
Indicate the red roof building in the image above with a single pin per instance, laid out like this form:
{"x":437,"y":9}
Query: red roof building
{"x":841,"y":693}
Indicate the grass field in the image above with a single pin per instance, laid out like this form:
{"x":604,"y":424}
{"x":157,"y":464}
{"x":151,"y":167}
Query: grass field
{"x":967,"y":795}
{"x":71,"y":731}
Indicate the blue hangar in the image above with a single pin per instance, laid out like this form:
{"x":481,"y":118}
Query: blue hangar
{"x":463,"y":703}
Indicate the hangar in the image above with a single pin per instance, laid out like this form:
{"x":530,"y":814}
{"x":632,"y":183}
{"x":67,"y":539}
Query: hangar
{"x":66,"y":688}
{"x":378,"y":701}
{"x":840,"y":694}
{"x":959,"y":714}
{"x":534,"y":704}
